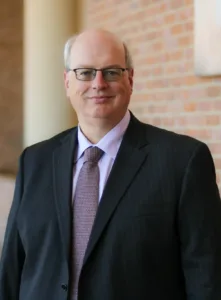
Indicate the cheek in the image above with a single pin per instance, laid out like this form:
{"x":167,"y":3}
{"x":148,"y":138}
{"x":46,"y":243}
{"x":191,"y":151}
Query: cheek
{"x":124,"y":87}
{"x":78,"y":92}
{"x":124,"y":90}
{"x":78,"y":89}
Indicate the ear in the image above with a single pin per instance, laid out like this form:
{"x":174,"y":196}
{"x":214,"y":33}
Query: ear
{"x":66,"y":81}
{"x":131,"y":78}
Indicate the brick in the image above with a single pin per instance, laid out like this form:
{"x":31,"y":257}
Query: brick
{"x":216,"y":134}
{"x":168,"y":122}
{"x":189,"y":27}
{"x":189,"y":2}
{"x":214,"y":91}
{"x":204,"y":106}
{"x":157,"y":47}
{"x":215,"y":148}
{"x":176,"y":82}
{"x":177,"y":55}
{"x":188,"y":53}
{"x":155,"y":109}
{"x":155,"y":83}
{"x":202,"y":134}
{"x":217,"y":105}
{"x":175,"y":4}
{"x":185,"y":41}
{"x":152,"y":35}
{"x":156,"y":121}
{"x":180,"y":121}
{"x":157,"y":71}
{"x":190,"y":107}
{"x":170,"y":18}
{"x":185,"y":14}
{"x":163,"y":7}
{"x":171,"y":69}
{"x":150,"y":60}
{"x":177,"y":29}
{"x":213,"y":120}
{"x":140,"y":98}
{"x":218,"y":179}
{"x":217,"y":163}
{"x":191,"y":80}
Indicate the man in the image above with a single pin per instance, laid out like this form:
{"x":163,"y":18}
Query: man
{"x":157,"y":229}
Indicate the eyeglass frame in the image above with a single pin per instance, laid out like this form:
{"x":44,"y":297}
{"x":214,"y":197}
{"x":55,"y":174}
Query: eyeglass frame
{"x":94,"y":69}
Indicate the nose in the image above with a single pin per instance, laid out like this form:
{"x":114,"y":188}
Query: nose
{"x":99,"y":83}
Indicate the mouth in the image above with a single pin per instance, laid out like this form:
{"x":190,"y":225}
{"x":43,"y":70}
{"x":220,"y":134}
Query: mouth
{"x":100,"y":99}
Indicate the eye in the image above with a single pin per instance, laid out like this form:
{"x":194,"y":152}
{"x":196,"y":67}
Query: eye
{"x":112,"y":72}
{"x":85,"y":72}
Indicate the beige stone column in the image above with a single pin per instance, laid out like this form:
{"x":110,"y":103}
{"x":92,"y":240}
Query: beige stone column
{"x":47,"y":25}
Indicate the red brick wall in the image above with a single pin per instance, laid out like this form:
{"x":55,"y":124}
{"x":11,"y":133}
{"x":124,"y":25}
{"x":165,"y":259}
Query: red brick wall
{"x":160,"y":35}
{"x":10,"y":84}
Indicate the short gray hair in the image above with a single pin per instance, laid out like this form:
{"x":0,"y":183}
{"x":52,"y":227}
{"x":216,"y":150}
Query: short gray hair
{"x":128,"y":57}
{"x":70,"y":42}
{"x":67,"y":51}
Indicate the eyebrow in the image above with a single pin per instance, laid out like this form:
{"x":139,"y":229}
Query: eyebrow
{"x":92,"y":67}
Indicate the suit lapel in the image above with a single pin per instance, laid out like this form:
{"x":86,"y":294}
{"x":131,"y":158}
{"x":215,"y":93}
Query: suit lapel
{"x":63,"y":158}
{"x":131,"y":156}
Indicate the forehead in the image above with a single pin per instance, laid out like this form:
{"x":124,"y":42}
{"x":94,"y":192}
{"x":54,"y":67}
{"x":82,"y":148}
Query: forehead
{"x":97,"y":51}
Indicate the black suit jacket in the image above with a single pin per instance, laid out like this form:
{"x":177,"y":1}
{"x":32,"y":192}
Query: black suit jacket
{"x":157,"y":233}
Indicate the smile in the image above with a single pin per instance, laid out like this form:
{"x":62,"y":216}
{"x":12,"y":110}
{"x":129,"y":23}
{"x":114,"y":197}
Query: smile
{"x":100,"y":99}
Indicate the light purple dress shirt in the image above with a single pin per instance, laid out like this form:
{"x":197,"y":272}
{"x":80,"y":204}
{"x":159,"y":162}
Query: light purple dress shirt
{"x":110,"y":144}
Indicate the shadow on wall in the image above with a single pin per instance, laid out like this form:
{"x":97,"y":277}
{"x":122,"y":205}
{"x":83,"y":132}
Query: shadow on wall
{"x":7,"y":185}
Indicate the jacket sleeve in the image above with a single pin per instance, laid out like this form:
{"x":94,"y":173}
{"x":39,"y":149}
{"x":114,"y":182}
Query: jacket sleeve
{"x":13,"y":256}
{"x":200,"y":228}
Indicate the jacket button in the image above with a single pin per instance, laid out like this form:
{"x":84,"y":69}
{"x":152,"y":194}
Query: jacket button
{"x":64,"y":287}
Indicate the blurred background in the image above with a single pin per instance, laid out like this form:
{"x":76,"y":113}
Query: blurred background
{"x":168,"y":92}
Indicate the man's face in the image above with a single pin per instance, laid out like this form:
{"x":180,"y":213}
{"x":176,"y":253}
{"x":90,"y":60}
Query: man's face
{"x":98,"y":98}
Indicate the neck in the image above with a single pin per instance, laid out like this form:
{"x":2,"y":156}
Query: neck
{"x":96,"y":129}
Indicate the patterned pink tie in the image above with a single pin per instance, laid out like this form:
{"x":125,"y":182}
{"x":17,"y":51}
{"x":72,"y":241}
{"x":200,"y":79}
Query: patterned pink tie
{"x":84,"y":210}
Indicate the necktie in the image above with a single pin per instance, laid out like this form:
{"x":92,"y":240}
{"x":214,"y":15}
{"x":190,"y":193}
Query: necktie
{"x":84,"y":210}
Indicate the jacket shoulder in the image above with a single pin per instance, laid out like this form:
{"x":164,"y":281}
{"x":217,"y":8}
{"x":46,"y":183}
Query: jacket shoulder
{"x":47,"y":146}
{"x":169,"y":139}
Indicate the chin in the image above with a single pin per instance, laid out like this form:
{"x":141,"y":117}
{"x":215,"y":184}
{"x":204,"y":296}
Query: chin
{"x":101,"y":116}
{"x":102,"y":112}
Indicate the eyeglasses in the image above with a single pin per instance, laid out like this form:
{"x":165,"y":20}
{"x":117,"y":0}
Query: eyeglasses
{"x":109,"y":74}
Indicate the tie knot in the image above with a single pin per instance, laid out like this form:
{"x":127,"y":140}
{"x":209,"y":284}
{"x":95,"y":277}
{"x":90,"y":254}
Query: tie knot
{"x":93,"y":154}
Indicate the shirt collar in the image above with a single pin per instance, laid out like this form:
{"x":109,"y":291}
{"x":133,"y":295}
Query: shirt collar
{"x":110,"y":143}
